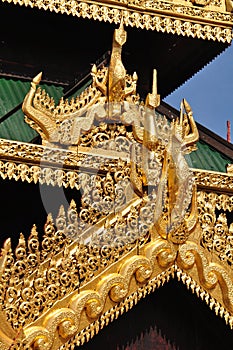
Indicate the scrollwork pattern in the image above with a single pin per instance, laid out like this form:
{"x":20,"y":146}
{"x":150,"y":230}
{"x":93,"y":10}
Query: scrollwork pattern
{"x":213,"y":180}
{"x":217,"y":229}
{"x":66,"y":259}
{"x":118,"y":309}
{"x":92,"y":302}
{"x":204,"y":295}
{"x":210,"y":274}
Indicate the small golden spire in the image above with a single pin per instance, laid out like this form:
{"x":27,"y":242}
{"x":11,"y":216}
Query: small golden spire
{"x":153,"y":99}
{"x":36,"y":80}
{"x":117,"y":72}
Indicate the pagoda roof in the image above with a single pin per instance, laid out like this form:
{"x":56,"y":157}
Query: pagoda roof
{"x":138,"y":217}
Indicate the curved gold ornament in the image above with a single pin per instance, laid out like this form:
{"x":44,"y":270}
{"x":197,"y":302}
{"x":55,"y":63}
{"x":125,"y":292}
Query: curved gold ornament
{"x":62,"y":124}
{"x":211,"y":275}
{"x":66,"y":321}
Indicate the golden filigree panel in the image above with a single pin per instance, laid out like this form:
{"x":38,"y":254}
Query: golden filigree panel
{"x":217,"y":224}
{"x":214,"y":181}
{"x":79,"y":315}
{"x":60,"y":167}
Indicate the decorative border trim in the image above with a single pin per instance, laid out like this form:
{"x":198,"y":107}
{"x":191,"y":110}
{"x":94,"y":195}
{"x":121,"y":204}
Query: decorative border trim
{"x":57,"y":176}
{"x":70,"y":316}
{"x":160,"y":16}
{"x":214,"y":181}
{"x":53,"y":166}
{"x":89,"y":332}
{"x":58,"y":167}
{"x":205,"y":296}
{"x":36,"y":174}
{"x":124,"y":306}
{"x":211,"y":275}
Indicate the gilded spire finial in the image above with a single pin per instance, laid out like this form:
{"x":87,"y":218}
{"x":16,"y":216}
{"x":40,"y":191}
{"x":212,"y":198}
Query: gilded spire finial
{"x":36,"y":80}
{"x":117,"y":72}
{"x":153,"y":99}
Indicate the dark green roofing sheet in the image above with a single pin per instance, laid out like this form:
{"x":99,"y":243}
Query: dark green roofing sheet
{"x":78,"y":91}
{"x":12,"y":93}
{"x":206,"y":157}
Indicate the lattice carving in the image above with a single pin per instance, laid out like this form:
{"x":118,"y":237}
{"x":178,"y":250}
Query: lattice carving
{"x":217,"y":229}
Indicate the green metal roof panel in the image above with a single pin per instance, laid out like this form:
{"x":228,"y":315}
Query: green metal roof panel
{"x":207,"y":158}
{"x":78,"y":91}
{"x":15,"y":128}
{"x":12,"y":93}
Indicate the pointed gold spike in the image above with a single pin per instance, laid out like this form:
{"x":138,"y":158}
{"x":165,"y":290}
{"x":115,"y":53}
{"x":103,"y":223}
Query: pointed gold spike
{"x":150,"y":139}
{"x":135,"y":76}
{"x":153,"y":99}
{"x":94,"y":69}
{"x":36,"y":80}
{"x":187,"y":106}
{"x":181,"y":111}
{"x":21,"y":249}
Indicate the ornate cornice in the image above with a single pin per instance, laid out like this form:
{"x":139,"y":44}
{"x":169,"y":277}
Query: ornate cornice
{"x":60,"y":167}
{"x":213,"y":181}
{"x":209,"y":20}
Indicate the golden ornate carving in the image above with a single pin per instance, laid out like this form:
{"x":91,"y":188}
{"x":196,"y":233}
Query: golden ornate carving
{"x":216,"y":227}
{"x":117,"y":72}
{"x":209,"y":21}
{"x":155,"y":263}
{"x":57,"y":269}
{"x":84,"y":280}
{"x":204,"y":295}
{"x":90,"y":259}
{"x":67,"y":321}
{"x":186,"y":129}
{"x":120,"y":308}
{"x":214,"y":181}
{"x":137,"y":224}
{"x":212,"y":276}
{"x":153,"y":99}
{"x":22,"y":161}
{"x":63,"y":124}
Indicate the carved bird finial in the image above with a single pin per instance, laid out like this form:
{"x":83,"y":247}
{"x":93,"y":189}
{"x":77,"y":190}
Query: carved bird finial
{"x":117,"y":72}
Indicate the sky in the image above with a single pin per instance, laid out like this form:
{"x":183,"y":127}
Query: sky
{"x":210,"y":94}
